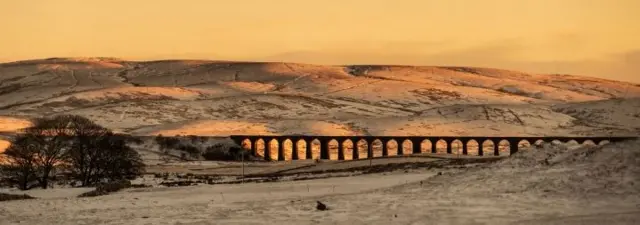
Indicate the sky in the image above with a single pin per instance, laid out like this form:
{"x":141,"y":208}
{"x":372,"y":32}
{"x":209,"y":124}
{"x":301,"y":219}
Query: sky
{"x":585,"y":37}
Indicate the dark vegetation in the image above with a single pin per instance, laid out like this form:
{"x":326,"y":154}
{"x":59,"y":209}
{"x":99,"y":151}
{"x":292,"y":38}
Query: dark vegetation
{"x":362,"y":70}
{"x":71,"y":146}
{"x":196,"y":147}
{"x":221,"y":152}
{"x":167,"y":142}
{"x":106,"y":188}
{"x":11,"y":197}
{"x":187,"y":179}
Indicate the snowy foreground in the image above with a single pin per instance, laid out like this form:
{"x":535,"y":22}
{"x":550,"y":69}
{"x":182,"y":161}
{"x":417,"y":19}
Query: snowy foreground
{"x":549,"y":185}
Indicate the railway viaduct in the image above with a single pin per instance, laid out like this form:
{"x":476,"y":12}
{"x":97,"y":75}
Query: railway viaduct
{"x":414,"y":142}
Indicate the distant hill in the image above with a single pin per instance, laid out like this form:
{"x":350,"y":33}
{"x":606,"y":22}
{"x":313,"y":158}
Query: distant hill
{"x":222,"y":97}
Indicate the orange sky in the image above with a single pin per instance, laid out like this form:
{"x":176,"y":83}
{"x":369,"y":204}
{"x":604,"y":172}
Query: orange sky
{"x":589,"y":37}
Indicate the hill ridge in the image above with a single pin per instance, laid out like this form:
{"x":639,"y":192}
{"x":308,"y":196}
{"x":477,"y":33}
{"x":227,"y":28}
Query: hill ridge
{"x":278,"y":97}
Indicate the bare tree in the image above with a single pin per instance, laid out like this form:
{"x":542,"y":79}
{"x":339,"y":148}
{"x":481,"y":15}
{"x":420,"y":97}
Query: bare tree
{"x":20,"y":168}
{"x":90,"y":152}
{"x":95,"y":159}
{"x":50,"y":151}
{"x":52,"y":138}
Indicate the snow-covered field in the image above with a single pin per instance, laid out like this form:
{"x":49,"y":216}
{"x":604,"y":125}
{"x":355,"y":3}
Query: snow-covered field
{"x":549,"y":185}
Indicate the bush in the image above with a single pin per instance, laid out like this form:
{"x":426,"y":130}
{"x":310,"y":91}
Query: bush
{"x":221,"y":152}
{"x":140,"y":186}
{"x":106,"y":188}
{"x":12,"y":197}
{"x":189,"y":146}
{"x":176,"y":143}
{"x":167,"y":142}
{"x":93,"y":193}
{"x":195,"y":139}
{"x":134,"y":140}
{"x":114,"y":186}
{"x":193,"y":151}
{"x":216,"y":155}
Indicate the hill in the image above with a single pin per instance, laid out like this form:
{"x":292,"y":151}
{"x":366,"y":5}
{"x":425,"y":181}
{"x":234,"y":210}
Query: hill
{"x":222,"y":98}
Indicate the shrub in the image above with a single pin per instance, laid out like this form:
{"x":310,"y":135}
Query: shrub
{"x":114,"y":186}
{"x":12,"y":197}
{"x":164,"y":176}
{"x":134,"y":140}
{"x":222,"y":152}
{"x":167,"y":142}
{"x":195,"y":139}
{"x":215,"y":156}
{"x":106,"y":188}
{"x":92,"y":193}
{"x":184,"y":144}
{"x":140,"y":186}
{"x":193,"y":151}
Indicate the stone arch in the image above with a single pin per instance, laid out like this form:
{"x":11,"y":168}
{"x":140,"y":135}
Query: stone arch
{"x":376,"y":148}
{"x":273,"y":153}
{"x":287,"y":146}
{"x":392,"y":147}
{"x":588,"y":142}
{"x":488,"y":147}
{"x":425,"y":146}
{"x":441,"y":146}
{"x":407,"y":147}
{"x":504,"y":147}
{"x":603,"y":142}
{"x":363,"y":146}
{"x":473,"y":148}
{"x":260,"y":147}
{"x":302,"y":149}
{"x":347,"y":145}
{"x":315,"y":149}
{"x":572,"y":142}
{"x":524,"y":144}
{"x":456,"y":147}
{"x":332,"y":145}
{"x":246,"y":143}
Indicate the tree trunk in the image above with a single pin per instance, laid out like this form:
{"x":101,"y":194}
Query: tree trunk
{"x":44,"y":180}
{"x":44,"y":183}
{"x":23,"y":184}
{"x":23,"y":178}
